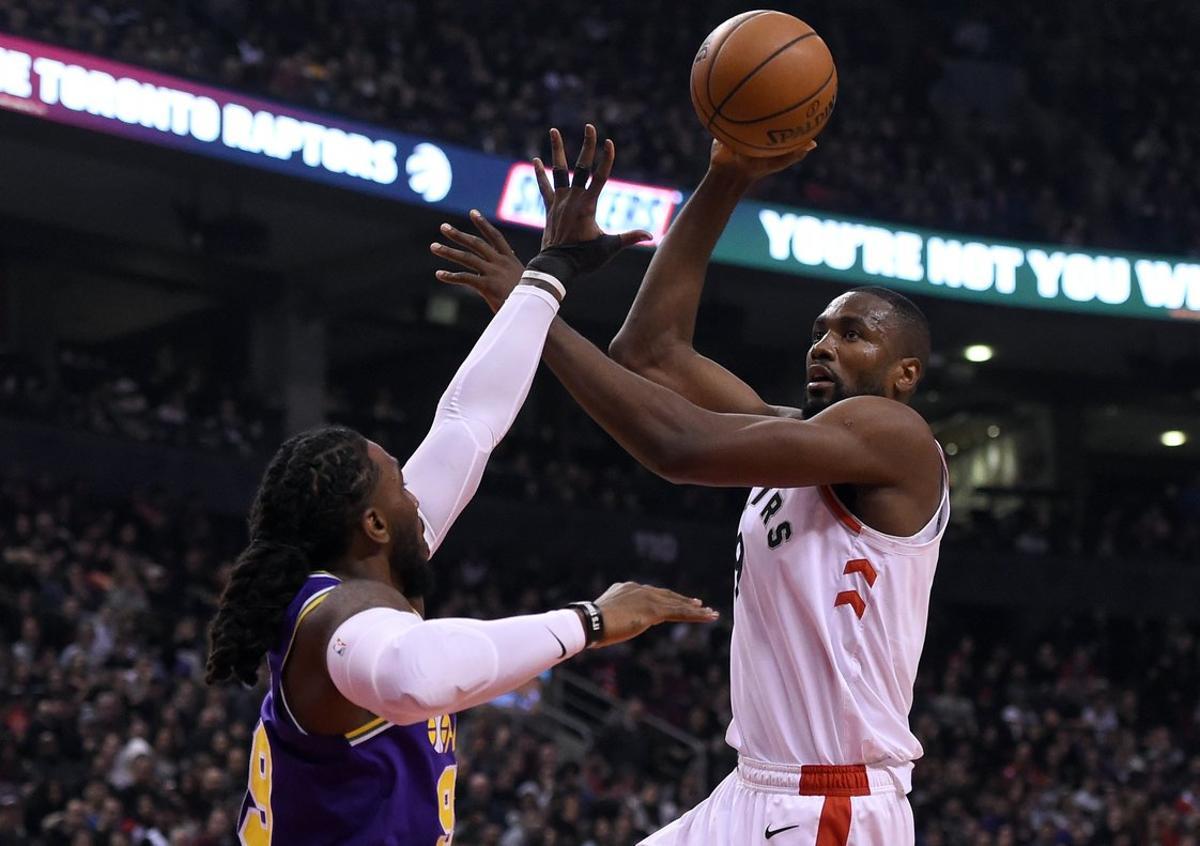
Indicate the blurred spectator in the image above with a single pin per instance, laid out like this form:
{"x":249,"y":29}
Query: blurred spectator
{"x":1083,"y":732}
{"x":1055,"y":122}
{"x":196,"y":406}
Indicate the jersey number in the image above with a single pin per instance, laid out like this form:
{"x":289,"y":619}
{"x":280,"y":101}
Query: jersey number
{"x":256,"y":828}
{"x":445,"y":789}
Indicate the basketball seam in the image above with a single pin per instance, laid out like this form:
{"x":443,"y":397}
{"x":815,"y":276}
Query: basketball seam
{"x":747,"y":77}
{"x":797,"y":105}
{"x":714,"y":129}
{"x":713,"y":61}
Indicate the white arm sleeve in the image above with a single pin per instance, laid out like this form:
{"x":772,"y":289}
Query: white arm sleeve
{"x":478,"y":407}
{"x":406,"y":670}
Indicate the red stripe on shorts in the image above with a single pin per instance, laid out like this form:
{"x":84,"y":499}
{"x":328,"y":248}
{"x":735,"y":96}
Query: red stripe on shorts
{"x":834,"y":780}
{"x":834,"y":828}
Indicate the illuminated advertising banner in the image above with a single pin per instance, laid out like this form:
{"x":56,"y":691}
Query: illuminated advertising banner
{"x":97,"y":94}
{"x":85,"y":91}
{"x":864,"y":252}
{"x":118,"y":99}
{"x":622,"y":205}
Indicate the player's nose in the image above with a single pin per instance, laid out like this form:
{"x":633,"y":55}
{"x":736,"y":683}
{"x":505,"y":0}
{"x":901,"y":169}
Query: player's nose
{"x":822,"y":350}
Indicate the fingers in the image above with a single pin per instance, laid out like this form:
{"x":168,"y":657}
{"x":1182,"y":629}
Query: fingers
{"x":458,"y":277}
{"x":472,"y":242}
{"x":692,"y":615}
{"x":603,"y":168}
{"x":670,"y":596}
{"x":637,"y":236}
{"x":799,"y":155}
{"x":491,"y":233}
{"x":558,"y":153}
{"x":462,"y":257}
{"x":675,"y":607}
{"x":587,"y":154}
{"x":680,"y":609}
{"x":558,"y":162}
{"x":543,"y":181}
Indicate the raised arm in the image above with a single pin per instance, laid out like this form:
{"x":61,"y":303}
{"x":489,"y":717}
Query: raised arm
{"x":657,"y":338}
{"x":477,"y":409}
{"x":490,"y":387}
{"x":864,"y":440}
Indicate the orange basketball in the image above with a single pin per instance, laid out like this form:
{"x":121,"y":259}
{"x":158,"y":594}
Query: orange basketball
{"x":764,"y":83}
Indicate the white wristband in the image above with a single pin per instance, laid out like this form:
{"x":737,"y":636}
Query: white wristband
{"x":552,"y":281}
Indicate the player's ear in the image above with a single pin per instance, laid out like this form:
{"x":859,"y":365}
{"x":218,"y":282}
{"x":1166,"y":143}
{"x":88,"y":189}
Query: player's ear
{"x":907,"y":374}
{"x":375,"y":526}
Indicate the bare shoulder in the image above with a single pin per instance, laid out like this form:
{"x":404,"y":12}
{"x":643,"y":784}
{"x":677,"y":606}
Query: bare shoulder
{"x":343,"y":602}
{"x":877,"y":414}
{"x":891,"y":429}
{"x":314,"y":700}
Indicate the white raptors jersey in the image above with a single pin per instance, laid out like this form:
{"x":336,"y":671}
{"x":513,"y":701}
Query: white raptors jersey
{"x":829,"y":623}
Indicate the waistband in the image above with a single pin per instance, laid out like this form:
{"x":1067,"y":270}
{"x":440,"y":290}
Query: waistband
{"x":825,"y":779}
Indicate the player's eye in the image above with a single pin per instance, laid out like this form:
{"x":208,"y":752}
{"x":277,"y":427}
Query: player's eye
{"x":852,"y":335}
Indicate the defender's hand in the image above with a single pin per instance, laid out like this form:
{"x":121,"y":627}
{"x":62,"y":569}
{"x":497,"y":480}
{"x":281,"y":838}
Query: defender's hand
{"x":572,"y":242}
{"x":752,"y":169}
{"x":629,"y":609}
{"x":492,"y":268}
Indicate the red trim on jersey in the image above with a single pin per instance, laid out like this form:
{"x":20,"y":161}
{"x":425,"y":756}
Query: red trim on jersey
{"x":861,"y":565}
{"x":839,"y":511}
{"x":834,"y":827}
{"x":834,"y":780}
{"x":851,"y":598}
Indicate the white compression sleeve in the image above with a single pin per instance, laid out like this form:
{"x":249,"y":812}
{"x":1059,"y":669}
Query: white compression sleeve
{"x":406,"y":670}
{"x":477,"y":408}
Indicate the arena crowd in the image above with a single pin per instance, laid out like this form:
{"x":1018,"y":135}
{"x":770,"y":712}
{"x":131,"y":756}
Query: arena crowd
{"x":1070,"y":123}
{"x":1081,"y":731}
{"x":1065,"y":123}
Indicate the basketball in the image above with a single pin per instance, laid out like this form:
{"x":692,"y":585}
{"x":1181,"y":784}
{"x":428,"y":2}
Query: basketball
{"x":764,"y":83}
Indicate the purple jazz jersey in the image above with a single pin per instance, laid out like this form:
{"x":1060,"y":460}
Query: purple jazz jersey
{"x":379,"y":784}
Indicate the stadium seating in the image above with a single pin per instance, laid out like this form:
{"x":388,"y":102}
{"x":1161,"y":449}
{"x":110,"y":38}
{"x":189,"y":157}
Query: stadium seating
{"x":109,"y":735}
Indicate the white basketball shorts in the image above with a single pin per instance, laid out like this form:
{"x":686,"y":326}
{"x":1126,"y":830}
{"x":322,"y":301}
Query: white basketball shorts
{"x":774,"y":805}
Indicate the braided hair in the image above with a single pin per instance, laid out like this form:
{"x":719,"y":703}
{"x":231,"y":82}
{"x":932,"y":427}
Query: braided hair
{"x":313,"y":491}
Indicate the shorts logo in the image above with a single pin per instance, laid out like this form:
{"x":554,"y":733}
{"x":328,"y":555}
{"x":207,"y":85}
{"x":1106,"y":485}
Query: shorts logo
{"x":769,"y":833}
{"x":339,"y":645}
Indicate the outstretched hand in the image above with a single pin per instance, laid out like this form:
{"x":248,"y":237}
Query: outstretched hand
{"x":491,"y":268}
{"x":572,"y":242}
{"x":628,"y":609}
{"x":723,"y":157}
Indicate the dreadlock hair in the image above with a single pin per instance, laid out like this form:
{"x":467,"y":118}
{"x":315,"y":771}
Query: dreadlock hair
{"x":312,"y":493}
{"x":913,"y":325}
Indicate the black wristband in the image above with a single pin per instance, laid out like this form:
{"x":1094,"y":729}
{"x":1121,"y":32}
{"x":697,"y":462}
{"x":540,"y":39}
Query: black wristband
{"x":593,"y":621}
{"x":551,"y":261}
{"x":567,"y":261}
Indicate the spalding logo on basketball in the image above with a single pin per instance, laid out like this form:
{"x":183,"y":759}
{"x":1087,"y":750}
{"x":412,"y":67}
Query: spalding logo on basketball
{"x":764,"y":83}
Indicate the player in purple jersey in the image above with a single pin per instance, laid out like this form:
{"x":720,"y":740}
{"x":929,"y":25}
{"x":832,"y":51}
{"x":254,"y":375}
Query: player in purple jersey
{"x":356,"y":739}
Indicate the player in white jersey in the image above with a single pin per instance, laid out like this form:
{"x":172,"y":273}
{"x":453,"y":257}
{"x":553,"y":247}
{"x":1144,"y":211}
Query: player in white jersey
{"x":838,"y":542}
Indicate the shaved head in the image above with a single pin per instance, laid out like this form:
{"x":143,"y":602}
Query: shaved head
{"x":909,"y":324}
{"x":867,"y":342}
